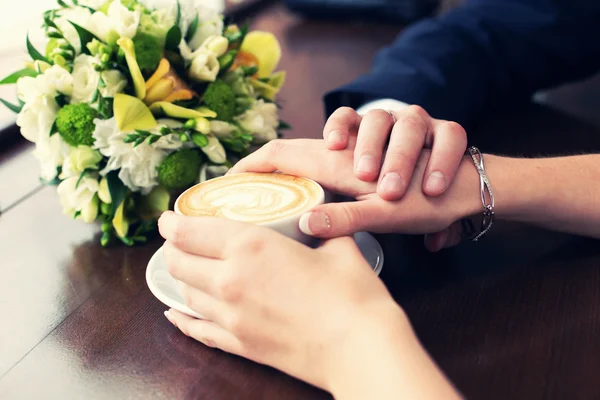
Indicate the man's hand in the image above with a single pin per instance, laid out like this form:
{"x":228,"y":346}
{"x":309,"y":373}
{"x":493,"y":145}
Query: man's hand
{"x":388,"y":146}
{"x":415,"y":213}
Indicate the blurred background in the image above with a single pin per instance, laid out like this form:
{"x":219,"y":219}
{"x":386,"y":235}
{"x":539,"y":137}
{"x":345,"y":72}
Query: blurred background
{"x":579,"y":99}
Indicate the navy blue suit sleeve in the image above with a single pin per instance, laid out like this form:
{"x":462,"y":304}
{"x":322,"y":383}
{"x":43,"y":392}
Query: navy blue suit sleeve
{"x":486,"y":53}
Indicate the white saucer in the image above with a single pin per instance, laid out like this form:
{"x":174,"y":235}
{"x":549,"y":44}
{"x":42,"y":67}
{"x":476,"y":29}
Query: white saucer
{"x":165,"y":288}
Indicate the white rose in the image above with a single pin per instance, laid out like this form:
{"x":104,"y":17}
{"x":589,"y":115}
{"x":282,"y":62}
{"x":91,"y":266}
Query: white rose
{"x":78,"y":15}
{"x":79,"y":198}
{"x":261,"y":121}
{"x":118,"y":19}
{"x":37,"y":117}
{"x":59,"y":79}
{"x":79,"y":159}
{"x":50,"y":151}
{"x":211,"y":24}
{"x":138,"y":165}
{"x":115,"y":83}
{"x":54,"y":80}
{"x":205,"y":67}
{"x":85,"y":79}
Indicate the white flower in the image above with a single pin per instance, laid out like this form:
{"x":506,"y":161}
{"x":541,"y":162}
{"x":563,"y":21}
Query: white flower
{"x":95,"y":4}
{"x":79,"y":159}
{"x":50,"y":151}
{"x":214,"y":150}
{"x":261,"y":121}
{"x":78,"y":15}
{"x":59,"y":79}
{"x":221,"y":129}
{"x":86,"y":79}
{"x":211,"y":24}
{"x":37,"y":117}
{"x":115,"y":83}
{"x":138,"y":165}
{"x":79,"y":197}
{"x":207,"y":11}
{"x":205,"y":67}
{"x":55,"y":79}
{"x":118,"y":19}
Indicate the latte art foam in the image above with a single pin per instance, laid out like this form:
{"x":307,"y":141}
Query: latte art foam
{"x":251,"y":197}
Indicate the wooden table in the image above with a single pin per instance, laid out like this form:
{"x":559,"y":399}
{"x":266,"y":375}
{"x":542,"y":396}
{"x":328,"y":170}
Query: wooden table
{"x":516,"y":316}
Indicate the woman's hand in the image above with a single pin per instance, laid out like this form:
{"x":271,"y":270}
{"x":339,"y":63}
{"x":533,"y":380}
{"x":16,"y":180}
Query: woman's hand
{"x":415,"y":213}
{"x":388,"y":145}
{"x":273,"y":300}
{"x":320,"y":315}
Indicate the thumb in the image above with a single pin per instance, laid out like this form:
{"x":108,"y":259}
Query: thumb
{"x":339,"y":219}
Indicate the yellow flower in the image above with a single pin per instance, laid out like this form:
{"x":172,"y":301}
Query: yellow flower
{"x":265,"y":47}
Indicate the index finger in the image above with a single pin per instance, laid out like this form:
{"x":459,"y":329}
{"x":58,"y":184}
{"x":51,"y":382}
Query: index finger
{"x":202,"y":236}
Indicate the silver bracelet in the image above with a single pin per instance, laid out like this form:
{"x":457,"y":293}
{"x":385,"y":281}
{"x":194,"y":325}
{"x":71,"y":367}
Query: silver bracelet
{"x":487,"y":201}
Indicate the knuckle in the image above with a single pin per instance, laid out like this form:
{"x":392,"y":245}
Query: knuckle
{"x":352,"y":215}
{"x":455,"y":129}
{"x":173,"y":265}
{"x":378,"y":114}
{"x":188,"y":297}
{"x":418,"y":111}
{"x":343,"y":113}
{"x":274,"y":147}
{"x":230,"y":288}
{"x":413,"y":123}
{"x":180,"y":233}
{"x":235,"y":324}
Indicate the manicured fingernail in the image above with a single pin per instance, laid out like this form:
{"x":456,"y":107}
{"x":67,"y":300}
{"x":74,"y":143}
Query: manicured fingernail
{"x":436,"y":182}
{"x":314,"y":223}
{"x":366,"y":164}
{"x":391,"y":183}
{"x":334,"y":137}
{"x":171,"y":320}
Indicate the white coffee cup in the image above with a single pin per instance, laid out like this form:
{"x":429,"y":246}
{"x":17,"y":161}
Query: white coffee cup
{"x":287,"y":195}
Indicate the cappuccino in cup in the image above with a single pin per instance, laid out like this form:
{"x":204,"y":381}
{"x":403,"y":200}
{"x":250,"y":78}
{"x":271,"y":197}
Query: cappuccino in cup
{"x":274,"y":200}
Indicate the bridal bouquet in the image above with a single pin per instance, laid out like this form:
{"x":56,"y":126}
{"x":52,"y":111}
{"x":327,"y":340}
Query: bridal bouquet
{"x":133,"y":101}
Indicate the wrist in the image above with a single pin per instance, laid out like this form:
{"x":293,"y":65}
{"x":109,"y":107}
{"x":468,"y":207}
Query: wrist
{"x":514,"y":193}
{"x":370,"y":347}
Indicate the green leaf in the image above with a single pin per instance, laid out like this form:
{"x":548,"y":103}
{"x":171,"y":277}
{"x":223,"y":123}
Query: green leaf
{"x":53,"y":129}
{"x":105,"y":107}
{"x":139,"y":141}
{"x":199,"y":139}
{"x":95,"y":96}
{"x":84,"y":173}
{"x":85,"y":37}
{"x":33,"y":53}
{"x":13,"y":78}
{"x":283,"y":126}
{"x":193,"y":28}
{"x":14,"y":108}
{"x":178,"y":13}
{"x":117,"y":190}
{"x":173,"y":38}
{"x":62,"y":3}
{"x":144,"y":133}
